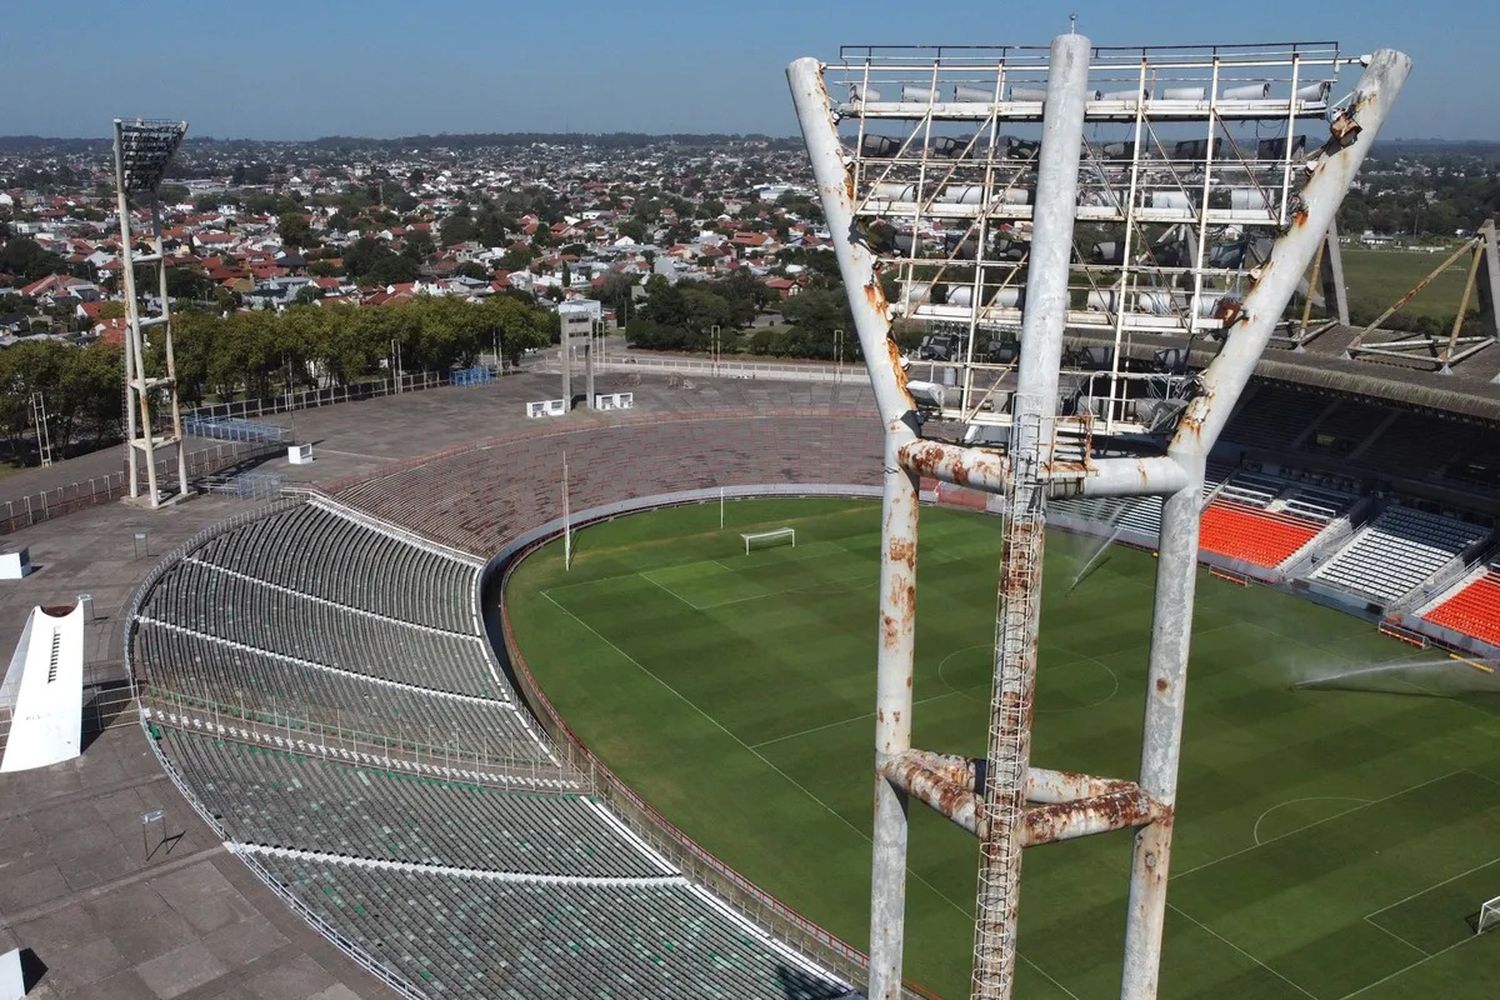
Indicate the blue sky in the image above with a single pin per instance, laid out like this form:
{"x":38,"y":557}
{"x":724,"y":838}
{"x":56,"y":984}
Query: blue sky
{"x":294,"y":70}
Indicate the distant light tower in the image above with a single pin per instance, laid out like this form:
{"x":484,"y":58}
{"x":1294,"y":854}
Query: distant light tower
{"x":142,"y":151}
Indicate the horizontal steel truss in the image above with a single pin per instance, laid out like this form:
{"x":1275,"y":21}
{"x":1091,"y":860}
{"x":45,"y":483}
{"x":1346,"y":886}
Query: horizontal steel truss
{"x":1064,"y":804}
{"x":1441,"y":353}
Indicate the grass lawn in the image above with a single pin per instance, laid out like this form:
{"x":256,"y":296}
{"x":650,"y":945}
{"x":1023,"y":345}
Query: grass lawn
{"x":1376,"y":278}
{"x":1329,"y":843}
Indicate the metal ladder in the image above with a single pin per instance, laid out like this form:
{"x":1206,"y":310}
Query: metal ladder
{"x":43,"y":435}
{"x":1009,"y":748}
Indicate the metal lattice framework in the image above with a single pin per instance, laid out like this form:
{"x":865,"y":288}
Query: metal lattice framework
{"x":988,"y":184}
{"x":143,"y":149}
{"x":1442,"y":352}
{"x":1189,"y":163}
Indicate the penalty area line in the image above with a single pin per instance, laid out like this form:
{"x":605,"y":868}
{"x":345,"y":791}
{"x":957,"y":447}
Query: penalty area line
{"x":790,"y":780}
{"x":1209,"y":930}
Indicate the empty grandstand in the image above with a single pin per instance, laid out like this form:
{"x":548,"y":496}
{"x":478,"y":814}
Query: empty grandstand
{"x":320,"y":686}
{"x":1473,"y":607}
{"x":1398,"y":551}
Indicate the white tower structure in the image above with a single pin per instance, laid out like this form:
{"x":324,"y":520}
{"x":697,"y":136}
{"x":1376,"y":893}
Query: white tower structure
{"x":142,"y":151}
{"x":1015,"y":196}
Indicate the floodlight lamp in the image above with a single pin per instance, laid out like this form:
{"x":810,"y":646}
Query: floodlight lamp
{"x":143,"y":148}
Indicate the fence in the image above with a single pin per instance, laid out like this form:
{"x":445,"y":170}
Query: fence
{"x":107,"y":708}
{"x":478,"y":375}
{"x":247,"y":486}
{"x":307,"y":399}
{"x":47,"y":504}
{"x":234,"y":429}
{"x":852,"y":373}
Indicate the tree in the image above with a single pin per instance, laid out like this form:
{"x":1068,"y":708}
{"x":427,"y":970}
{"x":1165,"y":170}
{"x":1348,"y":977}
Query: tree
{"x":417,"y":246}
{"x":517,"y":258}
{"x":472,"y":269}
{"x":24,"y":256}
{"x":307,"y":295}
{"x":458,"y":227}
{"x":519,"y":325}
{"x":633,"y":228}
{"x":294,"y":230}
{"x":369,"y":261}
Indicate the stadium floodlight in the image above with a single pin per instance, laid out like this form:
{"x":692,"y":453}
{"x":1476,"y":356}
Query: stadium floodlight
{"x":143,"y":149}
{"x":1004,"y":800}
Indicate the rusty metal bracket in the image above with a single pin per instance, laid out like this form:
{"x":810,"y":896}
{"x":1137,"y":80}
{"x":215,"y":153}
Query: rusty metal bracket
{"x":1067,"y":804}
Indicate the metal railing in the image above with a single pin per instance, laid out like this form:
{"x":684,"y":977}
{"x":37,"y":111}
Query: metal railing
{"x":355,"y":951}
{"x":319,"y":737}
{"x":47,"y":504}
{"x":108,"y":708}
{"x":734,"y":368}
{"x":306,"y":399}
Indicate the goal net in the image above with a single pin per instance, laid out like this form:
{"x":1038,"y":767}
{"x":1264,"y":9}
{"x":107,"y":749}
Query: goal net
{"x":764,"y":539}
{"x":1489,"y":916}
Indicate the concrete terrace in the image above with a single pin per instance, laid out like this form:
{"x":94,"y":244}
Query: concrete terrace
{"x":111,"y":916}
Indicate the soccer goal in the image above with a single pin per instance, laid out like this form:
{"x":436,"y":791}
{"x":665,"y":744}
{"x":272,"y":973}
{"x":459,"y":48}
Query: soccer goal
{"x":762,"y":539}
{"x":1489,"y":916}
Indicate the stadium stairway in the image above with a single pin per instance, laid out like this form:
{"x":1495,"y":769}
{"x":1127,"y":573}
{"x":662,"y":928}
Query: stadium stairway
{"x":1398,"y":551}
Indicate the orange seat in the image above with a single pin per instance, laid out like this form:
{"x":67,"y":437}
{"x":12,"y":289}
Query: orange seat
{"x":1474,"y":610}
{"x":1252,"y":535}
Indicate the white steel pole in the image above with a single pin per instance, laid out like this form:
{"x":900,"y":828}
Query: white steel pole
{"x":1019,"y":615}
{"x":1223,"y":381}
{"x":127,"y":274}
{"x":567,"y":527}
{"x":160,"y":247}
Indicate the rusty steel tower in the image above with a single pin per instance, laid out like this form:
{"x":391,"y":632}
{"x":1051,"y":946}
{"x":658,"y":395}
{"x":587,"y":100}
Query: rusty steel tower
{"x":1007,"y":197}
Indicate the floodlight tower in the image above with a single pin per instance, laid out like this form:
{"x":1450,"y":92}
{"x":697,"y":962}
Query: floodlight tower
{"x":923,"y":188}
{"x":142,"y":151}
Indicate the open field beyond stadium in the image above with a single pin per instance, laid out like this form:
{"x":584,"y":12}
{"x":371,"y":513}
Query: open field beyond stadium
{"x":1377,"y":278}
{"x":1329,"y":844}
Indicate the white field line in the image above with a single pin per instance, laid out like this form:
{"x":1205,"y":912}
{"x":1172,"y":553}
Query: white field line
{"x":842,"y":722}
{"x":1435,"y":885}
{"x":1255,"y":831}
{"x":793,"y":781}
{"x":1405,"y":969}
{"x":1178,"y":910}
{"x":1390,"y":933}
{"x":1319,"y":822}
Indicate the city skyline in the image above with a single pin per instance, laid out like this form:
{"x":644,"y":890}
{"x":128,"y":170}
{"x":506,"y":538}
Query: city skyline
{"x":339,"y":69}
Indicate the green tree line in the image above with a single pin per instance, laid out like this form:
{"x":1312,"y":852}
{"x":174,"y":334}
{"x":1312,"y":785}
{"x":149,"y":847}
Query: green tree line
{"x":256,"y":354}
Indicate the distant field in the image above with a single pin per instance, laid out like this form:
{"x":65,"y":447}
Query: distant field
{"x":1376,"y":278}
{"x":1329,"y":844}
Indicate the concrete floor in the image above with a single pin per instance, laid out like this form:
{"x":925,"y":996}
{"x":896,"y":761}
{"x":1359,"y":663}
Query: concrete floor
{"x":111,"y":916}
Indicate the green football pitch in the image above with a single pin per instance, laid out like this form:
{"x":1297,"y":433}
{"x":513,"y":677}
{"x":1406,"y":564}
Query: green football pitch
{"x":1329,"y":843}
